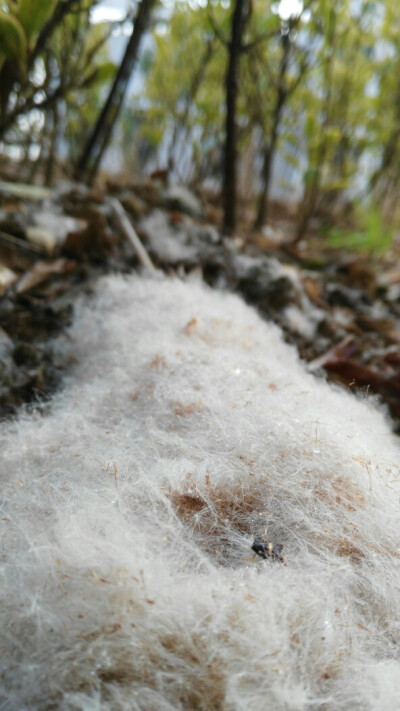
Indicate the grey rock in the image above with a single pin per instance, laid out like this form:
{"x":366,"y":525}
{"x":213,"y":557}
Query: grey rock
{"x":172,"y":244}
{"x":276,"y":289}
{"x":51,"y":228}
{"x":180,"y":198}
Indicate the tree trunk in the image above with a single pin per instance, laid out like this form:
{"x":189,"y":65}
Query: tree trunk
{"x":239,"y":19}
{"x":99,"y":139}
{"x":269,"y":151}
{"x":389,"y":155}
{"x":180,"y":128}
{"x":313,"y":186}
{"x":262,"y":211}
{"x":52,"y":154}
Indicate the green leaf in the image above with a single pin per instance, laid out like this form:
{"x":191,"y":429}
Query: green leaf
{"x":105,"y":72}
{"x":293,"y":160}
{"x":12,"y":39}
{"x":33,"y":14}
{"x":310,"y":176}
{"x":292,"y":139}
{"x":373,"y":237}
{"x":311,"y":125}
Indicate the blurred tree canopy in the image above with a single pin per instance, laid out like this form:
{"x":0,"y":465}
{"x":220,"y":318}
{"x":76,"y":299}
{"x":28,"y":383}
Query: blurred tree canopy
{"x":315,"y":108}
{"x":52,"y":59}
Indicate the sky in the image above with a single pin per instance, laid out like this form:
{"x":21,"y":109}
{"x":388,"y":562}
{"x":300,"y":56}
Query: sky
{"x":113,"y":10}
{"x":109,"y":10}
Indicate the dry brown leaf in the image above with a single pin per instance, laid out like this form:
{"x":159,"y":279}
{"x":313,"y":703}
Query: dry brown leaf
{"x":42,"y":271}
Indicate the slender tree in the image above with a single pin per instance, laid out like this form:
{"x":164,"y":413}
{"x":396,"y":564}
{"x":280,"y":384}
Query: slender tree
{"x":274,"y":81}
{"x":282,"y":92}
{"x":100,"y":136}
{"x":385,"y":126}
{"x":25,"y":33}
{"x":313,"y":178}
{"x":180,"y":126}
{"x":240,"y":17}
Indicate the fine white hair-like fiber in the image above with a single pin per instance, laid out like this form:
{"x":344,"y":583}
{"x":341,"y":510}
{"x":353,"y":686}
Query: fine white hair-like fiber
{"x":185,"y":429}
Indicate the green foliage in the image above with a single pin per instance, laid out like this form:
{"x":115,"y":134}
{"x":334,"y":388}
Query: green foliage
{"x":20,"y":23}
{"x":293,"y":160}
{"x":104,"y":73}
{"x":333,"y":109}
{"x":340,"y":87}
{"x":373,"y":235}
{"x":13,"y":40}
{"x":83,"y":63}
{"x":33,"y":15}
{"x":184,"y":87}
{"x":337,"y":100}
{"x":53,"y":75}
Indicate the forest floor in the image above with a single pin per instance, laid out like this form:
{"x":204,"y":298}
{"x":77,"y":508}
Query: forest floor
{"x":339,"y":308}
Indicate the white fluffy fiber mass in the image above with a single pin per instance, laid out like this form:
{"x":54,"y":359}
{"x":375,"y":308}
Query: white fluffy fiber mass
{"x":187,"y":427}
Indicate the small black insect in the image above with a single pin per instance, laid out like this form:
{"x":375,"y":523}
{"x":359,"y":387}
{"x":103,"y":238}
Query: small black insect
{"x":268,"y":550}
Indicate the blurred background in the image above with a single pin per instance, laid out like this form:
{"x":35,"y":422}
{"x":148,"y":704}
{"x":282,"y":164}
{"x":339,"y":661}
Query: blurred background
{"x":253,"y":144}
{"x":311,"y":90}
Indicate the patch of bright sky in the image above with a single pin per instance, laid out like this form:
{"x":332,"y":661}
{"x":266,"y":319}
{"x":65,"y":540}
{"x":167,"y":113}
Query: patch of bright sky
{"x":288,"y":8}
{"x":115,"y":10}
{"x":109,"y":11}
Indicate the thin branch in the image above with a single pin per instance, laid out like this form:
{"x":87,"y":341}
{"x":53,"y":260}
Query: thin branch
{"x":99,"y":44}
{"x":248,"y":46}
{"x":217,"y":30}
{"x":62,"y":9}
{"x":131,"y":234}
{"x":18,"y":243}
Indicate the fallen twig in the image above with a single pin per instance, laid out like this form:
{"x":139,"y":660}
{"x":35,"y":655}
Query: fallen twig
{"x":24,"y":191}
{"x":19,"y":243}
{"x":130,"y":233}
